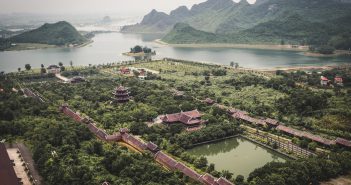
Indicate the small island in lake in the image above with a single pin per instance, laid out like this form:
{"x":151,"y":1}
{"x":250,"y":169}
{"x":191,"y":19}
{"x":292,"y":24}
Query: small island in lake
{"x":139,"y":51}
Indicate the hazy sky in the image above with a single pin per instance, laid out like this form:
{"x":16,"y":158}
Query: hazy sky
{"x":123,"y":7}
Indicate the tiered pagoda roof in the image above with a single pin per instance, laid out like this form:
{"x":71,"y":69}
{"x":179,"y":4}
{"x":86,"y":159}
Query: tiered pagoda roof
{"x":121,"y":94}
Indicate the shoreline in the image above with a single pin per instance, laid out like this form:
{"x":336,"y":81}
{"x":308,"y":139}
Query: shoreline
{"x":303,"y":49}
{"x":140,"y":54}
{"x":36,"y":46}
{"x":335,"y":54}
{"x":271,"y":69}
{"x":239,"y":46}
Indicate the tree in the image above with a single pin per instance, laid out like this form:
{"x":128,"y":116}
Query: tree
{"x":326,"y":49}
{"x":200,"y":162}
{"x":227,"y":174}
{"x":19,"y":69}
{"x":60,"y":64}
{"x":236,"y":65}
{"x":239,"y":179}
{"x":232,"y":64}
{"x":312,"y":146}
{"x":42,"y":70}
{"x":136,"y":49}
{"x":71,"y":63}
{"x":28,"y":67}
{"x":136,"y":73}
{"x":282,"y":42}
{"x":62,"y":68}
{"x":210,"y":168}
{"x":147,"y":50}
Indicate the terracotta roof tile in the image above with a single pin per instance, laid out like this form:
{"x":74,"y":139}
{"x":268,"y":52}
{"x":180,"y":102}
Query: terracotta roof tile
{"x":152,"y":147}
{"x":208,"y":179}
{"x":166,"y":160}
{"x":307,"y":135}
{"x":130,"y":139}
{"x":343,"y":142}
{"x":188,"y":171}
{"x":7,"y":173}
{"x":224,"y":181}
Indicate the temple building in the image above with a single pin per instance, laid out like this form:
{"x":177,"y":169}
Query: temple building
{"x":7,"y":172}
{"x":77,"y":79}
{"x":54,"y":69}
{"x":121,"y":95}
{"x":338,"y":80}
{"x":124,"y":70}
{"x":324,"y":81}
{"x":190,"y":118}
{"x":209,"y":101}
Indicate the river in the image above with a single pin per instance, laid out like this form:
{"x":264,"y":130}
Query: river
{"x":237,"y":155}
{"x":108,"y":47}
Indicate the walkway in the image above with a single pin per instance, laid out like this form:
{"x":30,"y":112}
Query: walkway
{"x":18,"y":167}
{"x":27,"y":156}
{"x":59,"y":76}
{"x":142,"y":146}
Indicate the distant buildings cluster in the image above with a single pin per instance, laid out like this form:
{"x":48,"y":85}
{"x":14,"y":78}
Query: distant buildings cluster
{"x":338,"y":80}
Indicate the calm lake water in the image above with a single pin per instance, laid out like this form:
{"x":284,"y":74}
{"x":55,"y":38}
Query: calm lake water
{"x":237,"y":155}
{"x":108,"y":47}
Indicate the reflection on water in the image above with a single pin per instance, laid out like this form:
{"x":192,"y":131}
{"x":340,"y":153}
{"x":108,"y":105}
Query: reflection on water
{"x":217,"y":147}
{"x":108,"y":47}
{"x":237,"y":155}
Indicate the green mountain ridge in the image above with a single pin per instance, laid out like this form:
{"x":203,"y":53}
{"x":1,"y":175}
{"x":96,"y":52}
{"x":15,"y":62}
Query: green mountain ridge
{"x":60,"y":33}
{"x":183,"y":33}
{"x":313,"y":22}
{"x":292,"y":29}
{"x":226,"y":16}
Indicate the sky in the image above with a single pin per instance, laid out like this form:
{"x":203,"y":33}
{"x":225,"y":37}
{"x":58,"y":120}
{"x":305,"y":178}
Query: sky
{"x":122,"y":7}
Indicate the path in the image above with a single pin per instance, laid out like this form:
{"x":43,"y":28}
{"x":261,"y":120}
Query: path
{"x":59,"y":76}
{"x":27,"y":156}
{"x":142,"y":146}
{"x":18,"y":167}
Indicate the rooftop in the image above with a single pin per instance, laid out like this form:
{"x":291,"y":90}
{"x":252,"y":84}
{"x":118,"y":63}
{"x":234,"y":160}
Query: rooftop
{"x":307,"y":135}
{"x":7,"y":173}
{"x":188,"y":118}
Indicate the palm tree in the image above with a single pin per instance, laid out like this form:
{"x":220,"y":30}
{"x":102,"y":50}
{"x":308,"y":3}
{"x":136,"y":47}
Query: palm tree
{"x":19,"y":69}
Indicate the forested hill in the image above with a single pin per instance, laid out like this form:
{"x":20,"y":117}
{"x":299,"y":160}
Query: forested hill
{"x":294,"y":21}
{"x":60,"y":33}
{"x":226,"y":16}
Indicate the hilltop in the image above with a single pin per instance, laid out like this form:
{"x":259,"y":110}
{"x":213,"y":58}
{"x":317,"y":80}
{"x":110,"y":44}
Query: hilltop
{"x":317,"y":22}
{"x":60,"y":34}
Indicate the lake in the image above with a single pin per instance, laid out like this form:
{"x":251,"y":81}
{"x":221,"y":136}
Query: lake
{"x":237,"y":155}
{"x":108,"y":47}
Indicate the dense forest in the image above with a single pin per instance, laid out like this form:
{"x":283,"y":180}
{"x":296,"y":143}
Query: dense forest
{"x":66,"y":152}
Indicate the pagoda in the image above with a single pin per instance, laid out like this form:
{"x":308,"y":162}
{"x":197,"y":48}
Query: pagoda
{"x":121,"y":94}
